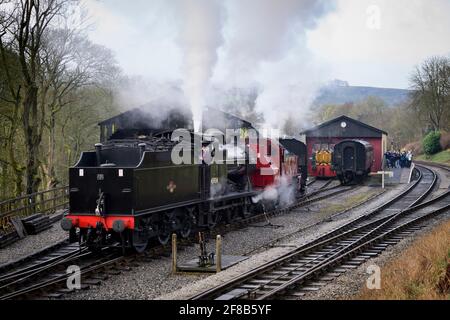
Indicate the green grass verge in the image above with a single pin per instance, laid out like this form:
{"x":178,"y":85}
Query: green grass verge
{"x":441,"y":157}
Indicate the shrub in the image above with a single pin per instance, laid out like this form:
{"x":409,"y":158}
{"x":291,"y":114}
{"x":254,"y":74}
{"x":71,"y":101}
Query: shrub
{"x":431,"y":143}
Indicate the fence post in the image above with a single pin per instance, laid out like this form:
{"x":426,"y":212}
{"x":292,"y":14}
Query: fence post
{"x":174,"y":254}
{"x":219,"y":254}
{"x":55,"y":195}
{"x":413,"y":166}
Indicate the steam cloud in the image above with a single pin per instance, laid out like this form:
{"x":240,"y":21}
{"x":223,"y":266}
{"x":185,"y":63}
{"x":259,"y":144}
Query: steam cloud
{"x":252,"y":45}
{"x":265,"y":45}
{"x":283,"y":193}
{"x":200,"y":37}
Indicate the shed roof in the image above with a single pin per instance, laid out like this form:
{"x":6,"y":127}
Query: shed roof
{"x":354,"y":129}
{"x":141,"y":118}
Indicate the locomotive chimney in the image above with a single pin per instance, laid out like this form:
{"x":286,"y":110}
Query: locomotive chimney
{"x":98,"y":149}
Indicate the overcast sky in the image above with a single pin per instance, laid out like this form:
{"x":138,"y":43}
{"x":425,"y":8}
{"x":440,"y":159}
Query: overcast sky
{"x":366,"y":42}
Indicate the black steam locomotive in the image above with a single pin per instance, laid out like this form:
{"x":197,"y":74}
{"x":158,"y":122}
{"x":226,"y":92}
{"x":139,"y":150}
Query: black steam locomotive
{"x":352,"y":160}
{"x":129,"y":191}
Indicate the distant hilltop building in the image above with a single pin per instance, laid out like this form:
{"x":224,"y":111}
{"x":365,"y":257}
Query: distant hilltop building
{"x":338,"y":83}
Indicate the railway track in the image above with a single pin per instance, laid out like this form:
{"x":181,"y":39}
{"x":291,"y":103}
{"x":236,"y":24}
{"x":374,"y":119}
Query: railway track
{"x":434,"y":164}
{"x":44,"y":274}
{"x":37,"y":277}
{"x":44,"y":254}
{"x":307,"y":199}
{"x":311,"y":266}
{"x":318,"y":184}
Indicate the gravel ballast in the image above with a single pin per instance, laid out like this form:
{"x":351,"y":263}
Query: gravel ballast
{"x":32,"y":244}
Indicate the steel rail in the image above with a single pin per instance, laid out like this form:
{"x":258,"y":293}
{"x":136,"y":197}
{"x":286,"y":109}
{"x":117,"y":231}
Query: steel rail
{"x":350,"y":248}
{"x":330,"y":237}
{"x":90,"y":267}
{"x":32,"y":270}
{"x":28,"y":273}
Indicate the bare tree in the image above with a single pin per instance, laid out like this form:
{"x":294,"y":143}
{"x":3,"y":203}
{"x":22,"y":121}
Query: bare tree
{"x":23,"y":26}
{"x":431,"y":85}
{"x":69,"y":62}
{"x":10,"y":102}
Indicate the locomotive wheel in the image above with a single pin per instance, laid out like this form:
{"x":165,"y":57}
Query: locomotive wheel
{"x":165,"y":227}
{"x":230,"y":215}
{"x":139,"y":248}
{"x":164,"y":237}
{"x":245,"y":211}
{"x":257,"y":208}
{"x":140,"y":242}
{"x":186,"y":226}
{"x":215,"y":218}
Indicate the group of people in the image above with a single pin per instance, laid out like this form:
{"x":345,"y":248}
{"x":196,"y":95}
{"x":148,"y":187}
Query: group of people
{"x":397,"y":159}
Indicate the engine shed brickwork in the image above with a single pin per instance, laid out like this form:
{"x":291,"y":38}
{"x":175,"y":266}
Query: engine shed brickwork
{"x":326,"y":135}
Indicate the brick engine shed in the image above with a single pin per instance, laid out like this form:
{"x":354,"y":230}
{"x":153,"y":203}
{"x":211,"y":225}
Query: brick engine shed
{"x":326,"y":135}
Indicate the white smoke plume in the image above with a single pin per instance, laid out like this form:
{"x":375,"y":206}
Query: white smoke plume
{"x":200,"y":37}
{"x":281,"y":194}
{"x":256,"y":45}
{"x":137,"y":91}
{"x":158,"y":99}
{"x":265,"y":46}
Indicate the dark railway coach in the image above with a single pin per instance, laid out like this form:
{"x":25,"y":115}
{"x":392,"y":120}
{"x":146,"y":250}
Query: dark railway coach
{"x":352,"y":160}
{"x":299,"y":149}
